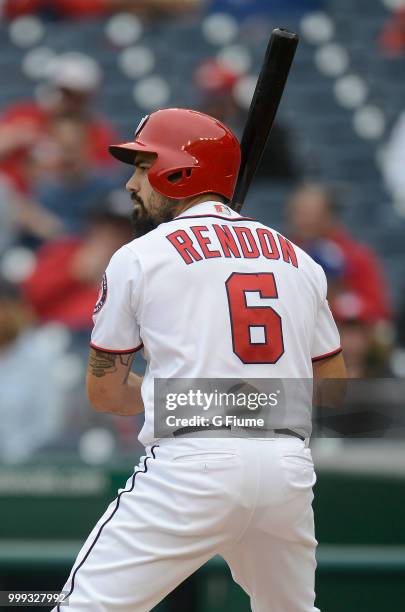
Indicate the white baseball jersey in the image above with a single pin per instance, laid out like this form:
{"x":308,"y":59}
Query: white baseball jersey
{"x":213,"y":294}
{"x":210,"y":294}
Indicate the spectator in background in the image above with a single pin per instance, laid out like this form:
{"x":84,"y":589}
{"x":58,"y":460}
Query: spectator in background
{"x":24,"y":127}
{"x":392,"y":37}
{"x":31,"y":401}
{"x":242,"y":9}
{"x":217,"y":84}
{"x":314,"y":226}
{"x":373,"y":404}
{"x":365,"y":355}
{"x":66,"y":280}
{"x":81,"y":9}
{"x":68,"y":185}
{"x":61,"y":9}
{"x":20,"y":216}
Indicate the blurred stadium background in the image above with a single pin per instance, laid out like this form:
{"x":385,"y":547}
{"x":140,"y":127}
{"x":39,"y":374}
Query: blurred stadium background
{"x":77,"y":75}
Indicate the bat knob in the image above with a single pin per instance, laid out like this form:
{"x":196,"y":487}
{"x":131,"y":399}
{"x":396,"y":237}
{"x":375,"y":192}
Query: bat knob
{"x":284,"y":33}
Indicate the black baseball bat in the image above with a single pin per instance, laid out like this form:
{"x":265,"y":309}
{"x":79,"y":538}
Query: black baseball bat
{"x":263,"y":108}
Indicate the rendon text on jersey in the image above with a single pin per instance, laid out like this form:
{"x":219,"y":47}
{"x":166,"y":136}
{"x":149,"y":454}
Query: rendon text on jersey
{"x":192,"y":243}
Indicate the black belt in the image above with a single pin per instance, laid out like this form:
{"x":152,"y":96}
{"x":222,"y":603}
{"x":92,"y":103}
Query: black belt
{"x":284,"y":432}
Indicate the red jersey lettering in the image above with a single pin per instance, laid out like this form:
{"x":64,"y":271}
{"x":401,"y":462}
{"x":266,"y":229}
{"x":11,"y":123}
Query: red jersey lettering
{"x":204,"y":241}
{"x":268,"y":244}
{"x":247,"y":242}
{"x":287,"y":249}
{"x":184,"y":246}
{"x":227,"y":241}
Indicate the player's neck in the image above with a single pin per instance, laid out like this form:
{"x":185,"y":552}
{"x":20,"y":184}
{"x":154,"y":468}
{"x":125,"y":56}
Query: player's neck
{"x":190,"y":202}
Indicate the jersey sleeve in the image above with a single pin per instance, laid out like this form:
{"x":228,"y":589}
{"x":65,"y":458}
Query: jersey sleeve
{"x":116,"y":313}
{"x":326,"y":341}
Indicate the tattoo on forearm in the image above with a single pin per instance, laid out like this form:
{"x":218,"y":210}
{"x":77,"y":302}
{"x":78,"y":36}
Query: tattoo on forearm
{"x":102,"y":363}
{"x":126,"y":359}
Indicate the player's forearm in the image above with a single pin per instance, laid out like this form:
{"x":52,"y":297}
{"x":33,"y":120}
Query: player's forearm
{"x":111,"y":387}
{"x":130,"y":402}
{"x":123,"y":400}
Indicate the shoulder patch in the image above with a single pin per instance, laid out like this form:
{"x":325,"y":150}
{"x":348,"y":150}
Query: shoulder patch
{"x":102,"y":295}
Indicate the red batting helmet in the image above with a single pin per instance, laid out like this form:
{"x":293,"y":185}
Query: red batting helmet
{"x":196,"y":153}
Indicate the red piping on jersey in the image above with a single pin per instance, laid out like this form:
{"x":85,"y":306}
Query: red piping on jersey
{"x":117,"y":351}
{"x":326,"y":355}
{"x":215,"y":216}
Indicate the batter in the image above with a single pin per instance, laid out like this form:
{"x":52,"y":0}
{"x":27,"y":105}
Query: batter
{"x":205,"y":293}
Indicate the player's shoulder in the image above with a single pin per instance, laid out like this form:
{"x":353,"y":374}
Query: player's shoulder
{"x":125,"y":257}
{"x":124,"y":266}
{"x":304,"y":258}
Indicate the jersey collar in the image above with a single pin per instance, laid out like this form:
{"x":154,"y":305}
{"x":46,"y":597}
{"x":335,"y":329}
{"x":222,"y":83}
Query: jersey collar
{"x":210,"y":209}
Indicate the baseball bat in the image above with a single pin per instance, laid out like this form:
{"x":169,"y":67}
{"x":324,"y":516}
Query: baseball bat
{"x":263,"y":108}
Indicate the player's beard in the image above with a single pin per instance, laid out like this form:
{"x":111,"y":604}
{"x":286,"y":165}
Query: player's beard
{"x":143,"y":220}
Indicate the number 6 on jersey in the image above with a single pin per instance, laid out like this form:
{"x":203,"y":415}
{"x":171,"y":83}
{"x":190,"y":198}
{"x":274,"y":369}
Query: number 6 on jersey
{"x":244,"y":318}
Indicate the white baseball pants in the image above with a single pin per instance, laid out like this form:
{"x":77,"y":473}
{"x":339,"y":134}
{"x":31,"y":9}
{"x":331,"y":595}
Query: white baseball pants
{"x":246,"y":499}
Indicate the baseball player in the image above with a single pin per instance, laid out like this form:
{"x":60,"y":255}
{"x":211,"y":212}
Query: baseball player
{"x":205,"y":293}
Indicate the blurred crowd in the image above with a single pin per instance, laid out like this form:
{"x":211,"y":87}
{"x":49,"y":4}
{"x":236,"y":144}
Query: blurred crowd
{"x":64,"y":212}
{"x":85,"y":9}
{"x":147,"y":9}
